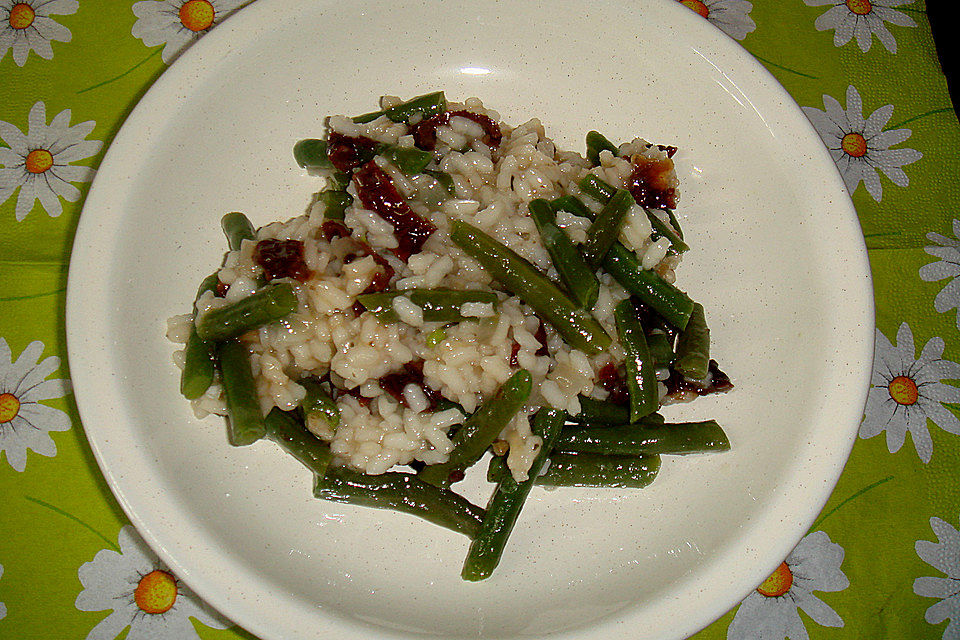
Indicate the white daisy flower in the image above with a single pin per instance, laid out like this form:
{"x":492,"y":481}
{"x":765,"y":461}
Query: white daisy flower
{"x":3,"y":607}
{"x":730,"y":16}
{"x":26,"y":25}
{"x":906,"y":392}
{"x":944,"y":556}
{"x":860,"y":147}
{"x":142,"y":593}
{"x":24,"y":422}
{"x":947,"y":267}
{"x":862,"y":19}
{"x":177,"y":23}
{"x":39,"y":163}
{"x":772,"y":611}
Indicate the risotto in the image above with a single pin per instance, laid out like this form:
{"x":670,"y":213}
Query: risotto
{"x":456,"y":275}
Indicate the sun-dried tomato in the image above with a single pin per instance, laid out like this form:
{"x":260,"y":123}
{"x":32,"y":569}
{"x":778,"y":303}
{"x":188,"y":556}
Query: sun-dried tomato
{"x":282,"y":259}
{"x":412,"y":373}
{"x":719,"y":382}
{"x":611,"y":380}
{"x":425,"y":131}
{"x":377,"y":193}
{"x":347,"y":152}
{"x":650,"y":183}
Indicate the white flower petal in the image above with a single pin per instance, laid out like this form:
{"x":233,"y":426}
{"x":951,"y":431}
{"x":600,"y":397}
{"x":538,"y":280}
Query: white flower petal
{"x":818,"y":610}
{"x":932,"y":587}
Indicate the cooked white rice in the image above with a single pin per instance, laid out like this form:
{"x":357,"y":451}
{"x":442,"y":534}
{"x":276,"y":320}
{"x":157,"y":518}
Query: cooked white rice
{"x":473,"y":358}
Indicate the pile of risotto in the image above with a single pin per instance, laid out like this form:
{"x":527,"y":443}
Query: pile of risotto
{"x":393,"y":184}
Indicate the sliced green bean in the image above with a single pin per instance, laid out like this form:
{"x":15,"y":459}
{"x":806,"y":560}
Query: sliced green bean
{"x":266,"y":305}
{"x":674,"y":222}
{"x":642,"y":382}
{"x":427,"y":105}
{"x":579,"y":279}
{"x":588,"y":470}
{"x":596,"y":142}
{"x":245,"y":423}
{"x":402,"y":492}
{"x":505,"y":505}
{"x":693,"y":346}
{"x":409,"y":160}
{"x":289,"y":432}
{"x":334,"y":203}
{"x":605,"y":229}
{"x":671,"y":303}
{"x":639,"y":439}
{"x":237,"y":228}
{"x":318,"y":403}
{"x":199,"y":359}
{"x":444,"y":178}
{"x":661,"y":228}
{"x":575,"y":325}
{"x":597,"y":188}
{"x":594,"y":411}
{"x":572,"y":204}
{"x":311,"y":153}
{"x":439,"y":305}
{"x":661,"y":349}
{"x":481,"y":429}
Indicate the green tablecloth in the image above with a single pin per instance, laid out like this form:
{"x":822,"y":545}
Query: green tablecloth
{"x":881,"y":561}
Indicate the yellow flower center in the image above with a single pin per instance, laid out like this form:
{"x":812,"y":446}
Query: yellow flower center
{"x":39,"y":160}
{"x":860,"y":7}
{"x":854,"y":144}
{"x":156,"y":592}
{"x":9,"y":407}
{"x":696,"y":6}
{"x":197,"y":15}
{"x":903,"y":390}
{"x":778,"y":583}
{"x":21,"y":15}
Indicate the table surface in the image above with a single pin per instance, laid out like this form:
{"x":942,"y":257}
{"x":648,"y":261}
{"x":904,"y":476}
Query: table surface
{"x":882,"y":560}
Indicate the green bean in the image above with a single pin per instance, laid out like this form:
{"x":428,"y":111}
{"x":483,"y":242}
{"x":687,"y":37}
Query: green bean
{"x":596,"y":143}
{"x":403,"y":492}
{"x":480,"y":430}
{"x":199,"y":361}
{"x":671,"y":303}
{"x":572,"y":204}
{"x":660,"y":349}
{"x":444,"y":178}
{"x":505,"y":505}
{"x":409,"y":160}
{"x":439,"y":305}
{"x":603,"y":233}
{"x":596,"y":188}
{"x":642,"y":382}
{"x":245,"y":420}
{"x":237,"y":228}
{"x":318,"y":403}
{"x":311,"y":153}
{"x":334,"y":203}
{"x":603,"y":191}
{"x":575,"y":325}
{"x":674,"y":222}
{"x":661,"y":228}
{"x":579,"y":279}
{"x":594,"y":411}
{"x":288,"y":431}
{"x":266,"y":305}
{"x":588,"y":470}
{"x":693,"y":346}
{"x":427,"y":105}
{"x":599,"y":470}
{"x":639,"y":439}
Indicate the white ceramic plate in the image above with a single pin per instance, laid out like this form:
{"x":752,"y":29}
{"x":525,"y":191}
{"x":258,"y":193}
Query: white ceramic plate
{"x":778,"y":262}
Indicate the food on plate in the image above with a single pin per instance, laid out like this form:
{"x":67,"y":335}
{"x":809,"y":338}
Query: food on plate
{"x":458,"y":287}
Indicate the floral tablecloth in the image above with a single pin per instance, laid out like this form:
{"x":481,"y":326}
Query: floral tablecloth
{"x":881,"y":561}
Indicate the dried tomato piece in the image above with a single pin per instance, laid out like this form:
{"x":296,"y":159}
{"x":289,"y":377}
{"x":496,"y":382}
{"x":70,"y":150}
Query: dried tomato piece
{"x":425,"y":131}
{"x":412,"y":373}
{"x":719,"y":382}
{"x":221,"y":290}
{"x":281,"y":259}
{"x":514,"y":350}
{"x":334,"y":229}
{"x":378,"y":194}
{"x":611,"y":380}
{"x":541,"y":336}
{"x":650,"y":183}
{"x":347,"y":152}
